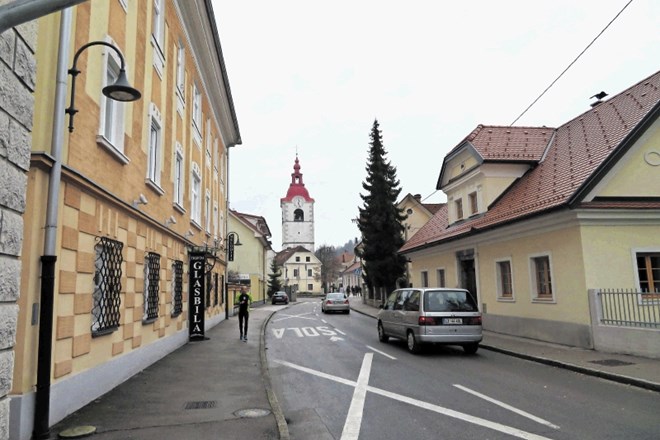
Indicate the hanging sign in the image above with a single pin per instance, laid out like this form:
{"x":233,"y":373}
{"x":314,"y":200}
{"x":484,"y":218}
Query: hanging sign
{"x":196,"y":306}
{"x":230,"y":247}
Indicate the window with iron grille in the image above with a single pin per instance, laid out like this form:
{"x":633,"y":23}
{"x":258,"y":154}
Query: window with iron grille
{"x":209,"y":288}
{"x":177,"y":287}
{"x":215,"y":289}
{"x":107,"y":286}
{"x":151,"y":287}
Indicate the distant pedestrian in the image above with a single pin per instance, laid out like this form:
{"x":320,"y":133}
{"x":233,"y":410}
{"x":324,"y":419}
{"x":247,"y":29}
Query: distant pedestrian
{"x":244,"y":302}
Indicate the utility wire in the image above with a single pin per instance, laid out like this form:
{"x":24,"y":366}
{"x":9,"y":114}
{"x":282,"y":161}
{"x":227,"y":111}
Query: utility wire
{"x":573,"y":62}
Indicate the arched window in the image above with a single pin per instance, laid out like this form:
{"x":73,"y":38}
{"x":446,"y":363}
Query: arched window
{"x":298,"y":215}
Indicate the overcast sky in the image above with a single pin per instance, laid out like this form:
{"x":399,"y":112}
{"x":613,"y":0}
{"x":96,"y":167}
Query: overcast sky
{"x":311,"y":76}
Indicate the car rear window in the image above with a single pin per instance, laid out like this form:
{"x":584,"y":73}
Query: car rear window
{"x":449,"y":301}
{"x":335,"y":296}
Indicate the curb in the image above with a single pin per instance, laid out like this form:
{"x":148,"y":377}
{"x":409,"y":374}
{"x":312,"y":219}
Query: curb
{"x":282,"y":426}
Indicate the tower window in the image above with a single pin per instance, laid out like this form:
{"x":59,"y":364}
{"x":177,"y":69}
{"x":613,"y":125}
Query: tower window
{"x":298,"y":215}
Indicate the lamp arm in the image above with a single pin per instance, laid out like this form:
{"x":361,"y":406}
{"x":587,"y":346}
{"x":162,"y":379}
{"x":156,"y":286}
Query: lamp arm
{"x":73,"y":71}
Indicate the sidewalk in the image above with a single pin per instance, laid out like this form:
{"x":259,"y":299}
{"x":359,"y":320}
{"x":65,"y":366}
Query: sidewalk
{"x":631,"y":370}
{"x":213,"y":389}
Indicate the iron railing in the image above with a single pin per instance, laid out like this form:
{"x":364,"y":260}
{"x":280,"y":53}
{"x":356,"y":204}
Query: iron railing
{"x":629,"y":308}
{"x":151,"y":288}
{"x":107,"y":286}
{"x":177,"y":287}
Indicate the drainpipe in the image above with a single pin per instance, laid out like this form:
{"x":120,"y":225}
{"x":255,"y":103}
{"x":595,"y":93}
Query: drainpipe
{"x":49,"y":258}
{"x":226,"y":232}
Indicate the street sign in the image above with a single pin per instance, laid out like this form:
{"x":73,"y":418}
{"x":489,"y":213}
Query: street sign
{"x":196,"y":307}
{"x":230,"y":247}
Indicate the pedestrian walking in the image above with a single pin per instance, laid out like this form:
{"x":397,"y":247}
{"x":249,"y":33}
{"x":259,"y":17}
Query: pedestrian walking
{"x":244,"y":303}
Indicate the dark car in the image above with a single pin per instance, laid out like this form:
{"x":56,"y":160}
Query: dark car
{"x":280,"y":297}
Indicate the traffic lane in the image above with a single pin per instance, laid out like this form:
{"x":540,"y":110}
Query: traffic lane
{"x":332,"y":406}
{"x":562,"y":397}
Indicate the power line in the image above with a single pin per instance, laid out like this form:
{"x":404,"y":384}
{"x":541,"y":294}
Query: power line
{"x":573,"y":62}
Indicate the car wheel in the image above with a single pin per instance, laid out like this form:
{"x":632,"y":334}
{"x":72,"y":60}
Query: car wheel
{"x":348,"y":311}
{"x":413,"y":345}
{"x":382,"y":337}
{"x":471,"y":348}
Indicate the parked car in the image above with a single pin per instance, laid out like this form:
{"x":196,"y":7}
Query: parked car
{"x":431,"y":315}
{"x":335,"y":302}
{"x":280,"y":297}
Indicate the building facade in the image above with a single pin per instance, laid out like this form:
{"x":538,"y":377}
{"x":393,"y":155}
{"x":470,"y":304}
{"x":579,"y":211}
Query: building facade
{"x":301,"y":270}
{"x":142,"y":185}
{"x":536,"y":217}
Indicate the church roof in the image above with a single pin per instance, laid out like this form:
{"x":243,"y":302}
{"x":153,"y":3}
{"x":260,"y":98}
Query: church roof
{"x":297,"y":187}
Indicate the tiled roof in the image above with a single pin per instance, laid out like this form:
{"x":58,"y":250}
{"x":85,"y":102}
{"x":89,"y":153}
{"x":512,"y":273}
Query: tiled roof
{"x":283,"y":256}
{"x":495,"y":143}
{"x":578,"y":150}
{"x":433,"y":207}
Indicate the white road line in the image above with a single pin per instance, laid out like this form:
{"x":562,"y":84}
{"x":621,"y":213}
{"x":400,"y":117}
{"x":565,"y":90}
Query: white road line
{"x":429,"y":406}
{"x":324,"y":321}
{"x":509,"y":407}
{"x":354,"y":418}
{"x":285,"y":316}
{"x":381,"y":352}
{"x":339,"y":331}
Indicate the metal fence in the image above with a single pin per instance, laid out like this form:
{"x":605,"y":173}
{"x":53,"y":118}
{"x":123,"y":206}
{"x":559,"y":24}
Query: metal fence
{"x":629,"y":308}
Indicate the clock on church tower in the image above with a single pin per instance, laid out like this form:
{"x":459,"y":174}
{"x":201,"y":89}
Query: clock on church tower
{"x":297,"y":213}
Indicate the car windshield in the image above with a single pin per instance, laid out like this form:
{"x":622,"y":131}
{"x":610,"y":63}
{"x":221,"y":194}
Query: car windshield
{"x":449,"y":301}
{"x":335,"y":296}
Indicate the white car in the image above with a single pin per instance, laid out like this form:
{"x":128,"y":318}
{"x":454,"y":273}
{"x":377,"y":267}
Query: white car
{"x":335,"y":302}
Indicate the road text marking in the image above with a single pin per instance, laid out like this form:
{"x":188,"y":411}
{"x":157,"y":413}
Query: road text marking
{"x":509,"y":407}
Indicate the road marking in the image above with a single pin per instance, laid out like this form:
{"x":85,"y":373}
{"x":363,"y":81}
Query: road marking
{"x":324,"y":321}
{"x":425,"y":405}
{"x":354,"y":418}
{"x":336,"y":338}
{"x":509,"y":407}
{"x":339,"y":331}
{"x":285,"y":316}
{"x":381,"y":352}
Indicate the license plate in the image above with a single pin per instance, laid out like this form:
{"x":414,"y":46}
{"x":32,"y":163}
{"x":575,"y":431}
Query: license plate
{"x":455,"y":321}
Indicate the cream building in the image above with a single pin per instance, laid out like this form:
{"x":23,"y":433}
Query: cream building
{"x":141,"y":184}
{"x":538,"y":217}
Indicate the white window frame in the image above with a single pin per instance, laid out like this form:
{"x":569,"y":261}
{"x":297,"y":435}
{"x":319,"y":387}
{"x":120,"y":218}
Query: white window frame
{"x":216,"y":218}
{"x":207,"y":210}
{"x":208,"y":155}
{"x":111,"y":126}
{"x":154,"y":149}
{"x":473,"y":197}
{"x":458,"y":203}
{"x":498,"y":278}
{"x":196,"y":195}
{"x":197,"y":114}
{"x":180,"y":88}
{"x":158,"y":36}
{"x":552,"y":298}
{"x":179,"y":174}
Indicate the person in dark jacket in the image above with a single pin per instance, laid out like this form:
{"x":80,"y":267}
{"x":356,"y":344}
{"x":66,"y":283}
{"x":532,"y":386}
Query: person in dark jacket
{"x":244,"y":301}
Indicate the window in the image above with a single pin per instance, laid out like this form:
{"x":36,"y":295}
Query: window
{"x":308,"y":259}
{"x":504,"y":280}
{"x":155,"y":135}
{"x":158,"y":36}
{"x":177,"y":287}
{"x":179,"y":179}
{"x":298,"y":215}
{"x":401,"y":299}
{"x":151,"y":287}
{"x":474,"y":207}
{"x":310,"y":287}
{"x":459,"y":209}
{"x":297,"y":259}
{"x":207,"y":210}
{"x":541,"y":277}
{"x":181,"y":72}
{"x":107,"y":286}
{"x":440,"y":275}
{"x":648,"y":270}
{"x":295,"y":272}
{"x":196,"y":195}
{"x":309,"y":272}
{"x":197,"y":114}
{"x":111,"y":122}
{"x":215,"y":218}
{"x":411,"y":304}
{"x":425,"y":278}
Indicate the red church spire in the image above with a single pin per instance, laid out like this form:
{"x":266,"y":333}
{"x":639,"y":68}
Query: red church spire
{"x":297,"y":187}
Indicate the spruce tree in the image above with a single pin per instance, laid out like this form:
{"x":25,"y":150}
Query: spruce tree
{"x":274,"y":283}
{"x":380,"y":221}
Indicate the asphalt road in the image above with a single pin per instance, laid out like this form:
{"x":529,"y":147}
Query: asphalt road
{"x":335,"y":380}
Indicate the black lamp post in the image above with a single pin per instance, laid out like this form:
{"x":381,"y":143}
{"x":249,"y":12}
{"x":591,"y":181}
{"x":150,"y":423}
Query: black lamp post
{"x":121,"y":90}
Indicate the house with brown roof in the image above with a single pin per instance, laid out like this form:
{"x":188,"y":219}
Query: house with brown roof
{"x":301,"y":270}
{"x":538,"y":219}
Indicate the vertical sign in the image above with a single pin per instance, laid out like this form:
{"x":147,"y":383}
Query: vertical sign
{"x":230,"y":247}
{"x":196,"y":308}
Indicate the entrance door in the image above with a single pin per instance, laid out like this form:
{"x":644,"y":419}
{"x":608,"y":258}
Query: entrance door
{"x":467,"y":275}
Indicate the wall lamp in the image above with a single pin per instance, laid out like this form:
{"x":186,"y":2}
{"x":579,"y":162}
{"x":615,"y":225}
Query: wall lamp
{"x":189,"y":233}
{"x":170,"y":221}
{"x":142,"y":200}
{"x":121,"y":90}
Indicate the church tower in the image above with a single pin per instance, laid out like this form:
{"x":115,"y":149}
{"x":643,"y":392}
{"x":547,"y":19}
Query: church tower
{"x":297,"y":213}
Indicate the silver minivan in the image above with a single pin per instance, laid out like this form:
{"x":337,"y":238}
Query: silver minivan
{"x":431,"y":315}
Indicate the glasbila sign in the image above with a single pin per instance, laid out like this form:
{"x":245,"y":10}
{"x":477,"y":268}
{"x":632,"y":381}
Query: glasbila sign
{"x":196,"y":306}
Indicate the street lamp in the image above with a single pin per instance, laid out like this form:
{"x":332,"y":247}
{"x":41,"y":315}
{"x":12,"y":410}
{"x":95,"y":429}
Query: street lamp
{"x":121,"y":90}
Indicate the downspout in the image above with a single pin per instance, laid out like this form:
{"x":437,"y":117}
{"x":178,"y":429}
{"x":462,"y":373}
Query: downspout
{"x":225,"y":237}
{"x":49,"y":258}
